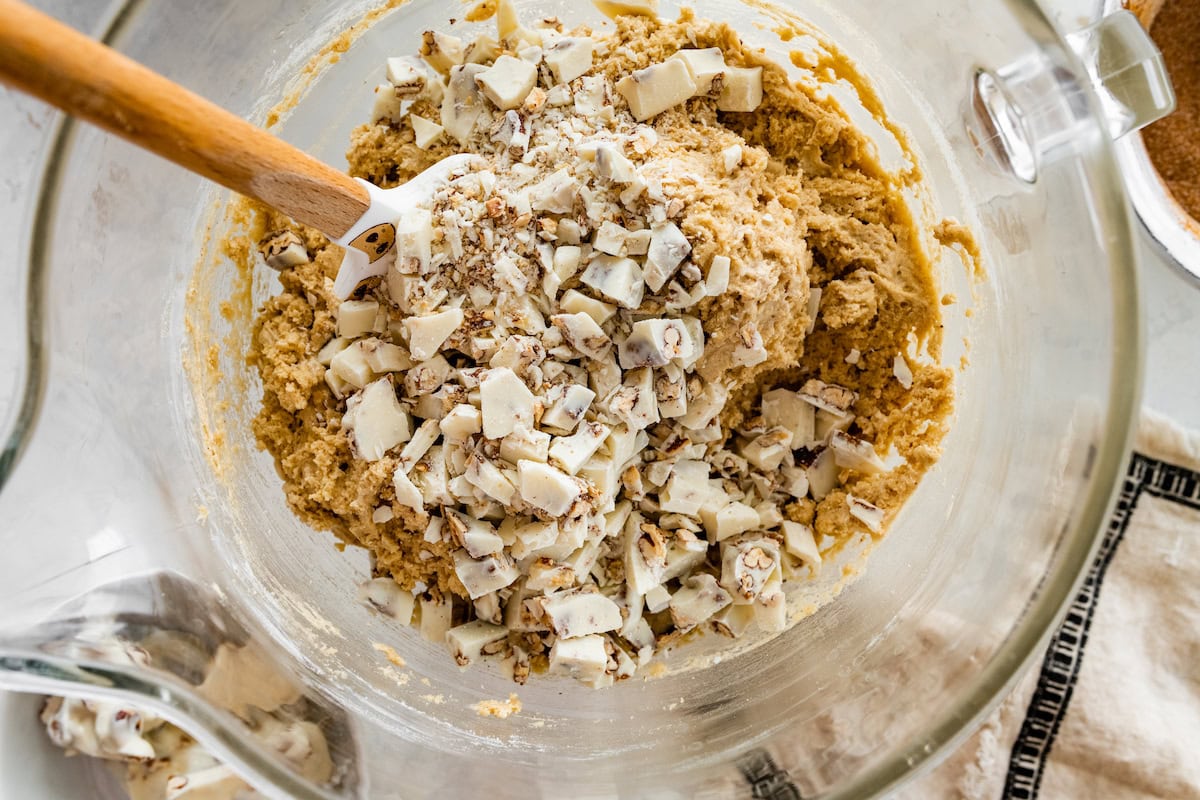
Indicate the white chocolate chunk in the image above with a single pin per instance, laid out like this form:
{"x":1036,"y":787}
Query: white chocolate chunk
{"x":569,"y":57}
{"x":902,"y":371}
{"x":382,"y":514}
{"x":697,"y":601}
{"x":477,"y":537}
{"x":657,"y":599}
{"x":468,"y":642}
{"x":435,"y":619}
{"x":828,"y":421}
{"x":670,"y":390}
{"x":634,"y":401}
{"x":687,"y":489}
{"x":813,"y":308}
{"x":427,"y":377}
{"x":657,"y":472}
{"x":532,"y":53}
{"x":570,"y":452}
{"x":731,"y":158}
{"x":434,"y":530}
{"x":441,"y":51}
{"x":513,"y":132}
{"x":654,"y":343}
{"x":426,"y":335}
{"x":534,"y":537}
{"x":767,"y":451}
{"x":460,"y":422}
{"x":377,"y":421}
{"x":566,"y":261}
{"x":749,"y":350}
{"x":407,"y":75}
{"x":856,"y":454}
{"x":828,"y":396}
{"x":734,"y":620}
{"x":668,"y":248}
{"x":728,"y":520}
{"x":356,"y":318}
{"x":799,"y":541}
{"x":407,"y":493}
{"x":604,"y":375}
{"x":657,"y":88}
{"x":420,"y":443}
{"x":385,"y":596}
{"x":705,"y":66}
{"x":637,"y":243}
{"x":520,"y":354}
{"x":284,"y":250}
{"x":382,"y":357}
{"x":582,"y":333}
{"x":823,"y":475}
{"x":545,"y":573}
{"x":584,"y":659}
{"x":746,"y":566}
{"x":426,"y":132}
{"x":567,"y":407}
{"x":867,"y":514}
{"x":574,"y":302}
{"x":482,"y":50}
{"x":619,"y":279}
{"x":482,"y":576}
{"x":463,"y":105}
{"x":388,"y":105}
{"x":546,"y":488}
{"x":569,"y":232}
{"x":742,"y":89}
{"x":645,"y":563}
{"x":782,"y":408}
{"x":619,"y":8}
{"x":716,"y":282}
{"x":770,"y":610}
{"x":795,"y":481}
{"x":610,"y":239}
{"x":414,"y":241}
{"x":704,"y":407}
{"x":508,"y":81}
{"x":695,"y":329}
{"x":603,"y":475}
{"x":578,"y":613}
{"x":487,"y":478}
{"x":505,"y":402}
{"x":433,"y":480}
{"x":612,"y":164}
{"x":524,"y":443}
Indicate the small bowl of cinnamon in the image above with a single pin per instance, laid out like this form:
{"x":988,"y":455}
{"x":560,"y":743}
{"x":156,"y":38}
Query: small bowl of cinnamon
{"x":1162,"y":166}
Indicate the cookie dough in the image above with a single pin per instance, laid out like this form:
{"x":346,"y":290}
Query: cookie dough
{"x":757,"y":209}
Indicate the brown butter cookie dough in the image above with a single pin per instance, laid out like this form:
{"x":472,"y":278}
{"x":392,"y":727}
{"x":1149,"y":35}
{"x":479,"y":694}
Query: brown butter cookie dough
{"x":808,"y":209}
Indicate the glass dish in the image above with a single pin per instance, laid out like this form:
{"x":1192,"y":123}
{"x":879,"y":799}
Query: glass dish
{"x":145,"y":532}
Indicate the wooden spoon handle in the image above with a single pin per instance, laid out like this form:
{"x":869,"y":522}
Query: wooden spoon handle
{"x":49,"y":60}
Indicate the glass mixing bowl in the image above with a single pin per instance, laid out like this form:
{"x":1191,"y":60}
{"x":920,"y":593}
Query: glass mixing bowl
{"x":146,"y":536}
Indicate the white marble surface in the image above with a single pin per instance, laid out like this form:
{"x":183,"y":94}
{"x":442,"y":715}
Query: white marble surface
{"x":1170,"y":301}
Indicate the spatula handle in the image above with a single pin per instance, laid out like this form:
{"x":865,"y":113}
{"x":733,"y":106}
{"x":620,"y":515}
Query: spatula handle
{"x":49,"y":60}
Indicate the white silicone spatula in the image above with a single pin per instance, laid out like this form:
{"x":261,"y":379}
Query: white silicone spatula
{"x":49,"y":60}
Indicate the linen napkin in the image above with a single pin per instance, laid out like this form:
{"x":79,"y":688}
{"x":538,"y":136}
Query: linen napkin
{"x":1112,"y":710}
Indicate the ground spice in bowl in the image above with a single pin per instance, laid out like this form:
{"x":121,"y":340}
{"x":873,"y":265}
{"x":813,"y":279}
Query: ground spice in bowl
{"x":1172,"y":142}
